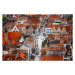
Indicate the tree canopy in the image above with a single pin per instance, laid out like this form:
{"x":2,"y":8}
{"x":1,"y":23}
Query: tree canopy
{"x":69,"y":17}
{"x":3,"y":18}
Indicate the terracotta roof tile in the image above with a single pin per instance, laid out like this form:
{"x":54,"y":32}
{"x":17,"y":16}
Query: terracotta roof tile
{"x":14,"y":35}
{"x":52,"y":58}
{"x":49,"y":26}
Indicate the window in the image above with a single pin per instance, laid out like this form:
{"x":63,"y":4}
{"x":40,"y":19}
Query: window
{"x":50,"y":32}
{"x":47,"y":30}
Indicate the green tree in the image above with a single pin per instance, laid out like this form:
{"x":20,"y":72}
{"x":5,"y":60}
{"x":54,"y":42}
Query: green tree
{"x":3,"y":18}
{"x":68,"y":17}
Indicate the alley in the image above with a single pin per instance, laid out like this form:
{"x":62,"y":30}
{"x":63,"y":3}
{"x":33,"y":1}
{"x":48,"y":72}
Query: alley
{"x":40,"y":38}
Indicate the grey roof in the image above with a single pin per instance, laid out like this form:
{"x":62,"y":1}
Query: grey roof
{"x":55,"y":42}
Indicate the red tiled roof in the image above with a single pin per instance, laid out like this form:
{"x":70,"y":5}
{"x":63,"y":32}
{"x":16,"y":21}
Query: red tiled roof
{"x":8,"y":26}
{"x":59,"y":48}
{"x":3,"y":42}
{"x":14,"y":35}
{"x":52,"y":58}
{"x":54,"y":16}
{"x":49,"y":26}
{"x":50,"y":37}
{"x":70,"y":26}
{"x":56,"y":26}
{"x":21,"y":55}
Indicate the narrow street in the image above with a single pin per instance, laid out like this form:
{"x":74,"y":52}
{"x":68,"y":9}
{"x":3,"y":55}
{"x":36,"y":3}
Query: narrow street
{"x":39,"y":38}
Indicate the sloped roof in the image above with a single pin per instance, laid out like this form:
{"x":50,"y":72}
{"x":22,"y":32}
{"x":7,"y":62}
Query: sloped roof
{"x":15,"y":27}
{"x":50,"y":37}
{"x":54,"y":15}
{"x":56,"y":26}
{"x":52,"y":58}
{"x":3,"y":42}
{"x":49,"y":26}
{"x":60,"y":48}
{"x":14,"y":35}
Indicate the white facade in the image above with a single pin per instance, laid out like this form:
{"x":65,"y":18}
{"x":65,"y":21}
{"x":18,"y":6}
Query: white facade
{"x":15,"y":29}
{"x":48,"y":31}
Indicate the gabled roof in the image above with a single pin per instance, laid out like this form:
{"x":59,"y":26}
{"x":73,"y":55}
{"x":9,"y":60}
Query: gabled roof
{"x":56,"y":26}
{"x":67,"y":27}
{"x":49,"y":26}
{"x":15,"y":28}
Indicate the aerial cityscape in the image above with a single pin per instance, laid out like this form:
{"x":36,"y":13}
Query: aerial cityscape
{"x":37,"y":37}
